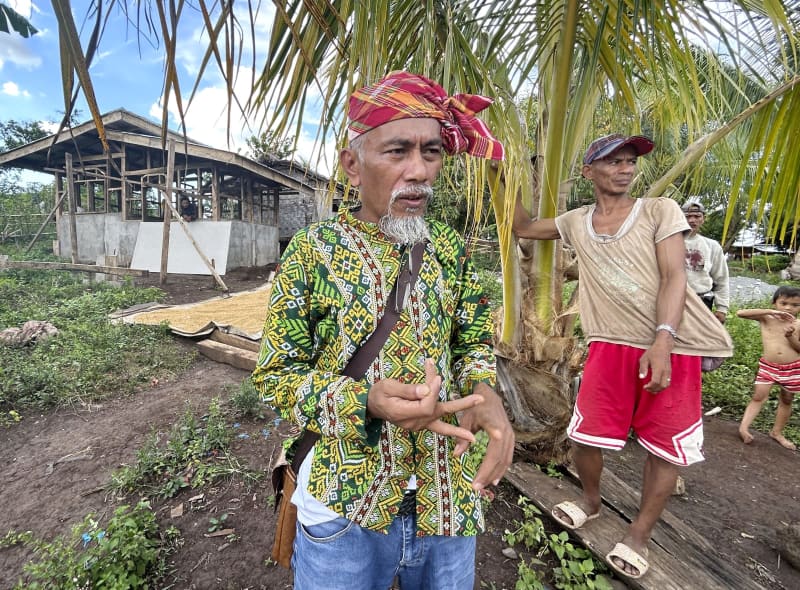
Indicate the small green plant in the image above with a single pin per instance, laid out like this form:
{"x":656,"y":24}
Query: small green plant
{"x":128,"y":553}
{"x":194,"y":454}
{"x":530,"y":532}
{"x":552,"y":470}
{"x":247,"y":401}
{"x":9,"y":418}
{"x":217,"y":523}
{"x":575,"y":568}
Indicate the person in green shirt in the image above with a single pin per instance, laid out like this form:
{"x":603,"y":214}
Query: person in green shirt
{"x":391,"y":490}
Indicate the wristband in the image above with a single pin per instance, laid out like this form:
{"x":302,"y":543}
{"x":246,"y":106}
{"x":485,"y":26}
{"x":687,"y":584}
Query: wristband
{"x":667,"y":328}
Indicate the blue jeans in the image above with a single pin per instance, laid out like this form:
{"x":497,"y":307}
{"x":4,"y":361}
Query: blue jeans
{"x":342,"y":555}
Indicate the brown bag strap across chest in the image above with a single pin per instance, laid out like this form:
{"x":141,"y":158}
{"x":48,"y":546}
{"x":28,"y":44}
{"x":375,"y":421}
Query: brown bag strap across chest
{"x":369,"y":350}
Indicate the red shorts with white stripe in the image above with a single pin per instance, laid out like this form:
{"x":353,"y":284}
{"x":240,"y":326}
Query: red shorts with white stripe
{"x":787,"y":376}
{"x":612,"y":401}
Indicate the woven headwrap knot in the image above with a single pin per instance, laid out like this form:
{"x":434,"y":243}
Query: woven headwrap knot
{"x":402,"y":95}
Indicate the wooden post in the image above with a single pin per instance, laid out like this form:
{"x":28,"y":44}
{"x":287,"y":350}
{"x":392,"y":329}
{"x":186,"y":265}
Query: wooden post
{"x":126,"y":189}
{"x":215,"y":203}
{"x":73,"y":232}
{"x":167,"y":211}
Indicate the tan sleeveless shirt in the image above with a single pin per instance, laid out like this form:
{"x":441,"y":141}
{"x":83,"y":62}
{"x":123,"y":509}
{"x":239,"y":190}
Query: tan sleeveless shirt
{"x":619,"y":280}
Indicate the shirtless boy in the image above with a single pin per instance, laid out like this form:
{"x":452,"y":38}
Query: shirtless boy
{"x":779,"y":363}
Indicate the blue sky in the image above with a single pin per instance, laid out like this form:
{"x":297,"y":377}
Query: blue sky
{"x":128,"y":73}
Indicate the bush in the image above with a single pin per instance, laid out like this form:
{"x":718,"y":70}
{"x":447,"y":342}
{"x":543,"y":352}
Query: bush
{"x":771,"y":263}
{"x":129,"y":553}
{"x":247,"y":401}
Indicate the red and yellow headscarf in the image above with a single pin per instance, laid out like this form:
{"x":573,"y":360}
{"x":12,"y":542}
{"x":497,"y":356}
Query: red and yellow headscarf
{"x":402,"y":95}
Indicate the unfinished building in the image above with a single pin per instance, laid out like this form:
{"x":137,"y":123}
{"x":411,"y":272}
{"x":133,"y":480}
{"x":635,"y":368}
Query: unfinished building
{"x":120,"y":206}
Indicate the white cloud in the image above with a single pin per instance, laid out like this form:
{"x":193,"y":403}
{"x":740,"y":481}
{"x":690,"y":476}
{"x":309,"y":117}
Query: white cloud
{"x":17,"y":50}
{"x":12,"y":89}
{"x":22,"y":7}
{"x":206,"y":121}
{"x":206,"y":117}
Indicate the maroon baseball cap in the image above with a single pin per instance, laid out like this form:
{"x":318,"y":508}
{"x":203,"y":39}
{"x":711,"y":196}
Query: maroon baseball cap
{"x":608,"y":144}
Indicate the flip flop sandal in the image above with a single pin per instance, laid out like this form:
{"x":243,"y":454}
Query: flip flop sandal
{"x":630,"y":557}
{"x":576,"y":514}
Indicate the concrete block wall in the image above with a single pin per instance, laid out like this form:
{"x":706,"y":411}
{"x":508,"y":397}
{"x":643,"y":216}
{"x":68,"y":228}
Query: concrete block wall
{"x":296,"y":211}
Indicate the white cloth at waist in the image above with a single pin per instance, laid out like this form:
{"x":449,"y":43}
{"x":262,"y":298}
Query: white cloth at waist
{"x":311,"y":511}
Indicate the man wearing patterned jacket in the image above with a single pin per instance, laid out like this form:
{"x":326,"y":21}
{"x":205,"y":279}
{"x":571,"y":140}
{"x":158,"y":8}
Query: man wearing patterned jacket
{"x":390,"y":490}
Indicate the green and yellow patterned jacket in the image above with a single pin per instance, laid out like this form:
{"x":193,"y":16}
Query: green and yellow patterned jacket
{"x":328,"y":294}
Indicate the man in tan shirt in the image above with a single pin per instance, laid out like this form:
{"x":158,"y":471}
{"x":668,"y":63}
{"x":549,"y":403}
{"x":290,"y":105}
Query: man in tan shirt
{"x":636,"y":318}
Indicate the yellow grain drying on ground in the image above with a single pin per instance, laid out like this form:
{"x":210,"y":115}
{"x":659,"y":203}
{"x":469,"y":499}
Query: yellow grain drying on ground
{"x":243,"y":311}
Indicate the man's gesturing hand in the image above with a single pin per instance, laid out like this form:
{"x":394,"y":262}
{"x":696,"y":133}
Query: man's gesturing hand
{"x":417,"y":406}
{"x":490,"y":416}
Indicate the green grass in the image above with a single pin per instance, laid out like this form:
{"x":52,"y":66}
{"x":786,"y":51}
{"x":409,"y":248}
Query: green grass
{"x":129,"y":552}
{"x":766,"y":268}
{"x":193,"y":454}
{"x":90,"y":358}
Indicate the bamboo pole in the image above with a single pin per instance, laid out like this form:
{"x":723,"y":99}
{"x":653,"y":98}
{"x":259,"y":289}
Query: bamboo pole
{"x":185,"y":226}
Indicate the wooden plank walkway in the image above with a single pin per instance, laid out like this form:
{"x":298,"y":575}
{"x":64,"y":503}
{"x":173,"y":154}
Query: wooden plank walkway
{"x":680,"y":558}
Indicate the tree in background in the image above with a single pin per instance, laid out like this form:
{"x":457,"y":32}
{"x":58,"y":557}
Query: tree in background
{"x":14,"y":134}
{"x":21,"y":204}
{"x":268,"y":147}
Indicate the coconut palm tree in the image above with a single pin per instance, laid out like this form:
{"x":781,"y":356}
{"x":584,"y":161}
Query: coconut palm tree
{"x":561,"y":71}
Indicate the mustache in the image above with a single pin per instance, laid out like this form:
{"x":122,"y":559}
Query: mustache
{"x":413,"y":190}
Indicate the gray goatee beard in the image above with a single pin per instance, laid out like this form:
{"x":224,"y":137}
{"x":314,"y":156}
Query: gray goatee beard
{"x":408,"y":229}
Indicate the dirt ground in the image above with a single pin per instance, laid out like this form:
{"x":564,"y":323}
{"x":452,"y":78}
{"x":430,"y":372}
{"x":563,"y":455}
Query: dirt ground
{"x":55,"y":467}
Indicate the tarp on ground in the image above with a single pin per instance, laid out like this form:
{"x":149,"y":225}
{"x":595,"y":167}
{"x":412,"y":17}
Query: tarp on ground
{"x":241,"y":314}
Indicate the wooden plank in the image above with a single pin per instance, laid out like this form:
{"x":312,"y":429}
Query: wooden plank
{"x":680,"y":568}
{"x":230,"y":355}
{"x":235,"y":341}
{"x":35,"y":265}
{"x":674,"y":535}
{"x":45,"y":222}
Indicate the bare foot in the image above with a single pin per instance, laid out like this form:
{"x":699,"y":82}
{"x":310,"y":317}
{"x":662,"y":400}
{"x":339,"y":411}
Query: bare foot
{"x":747,"y":438}
{"x":781,"y":440}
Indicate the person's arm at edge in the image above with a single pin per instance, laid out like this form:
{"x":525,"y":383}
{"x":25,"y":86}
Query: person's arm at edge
{"x":754,"y":314}
{"x":721,"y":282}
{"x":524,"y":226}
{"x":794,"y":337}
{"x":670,"y":301}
